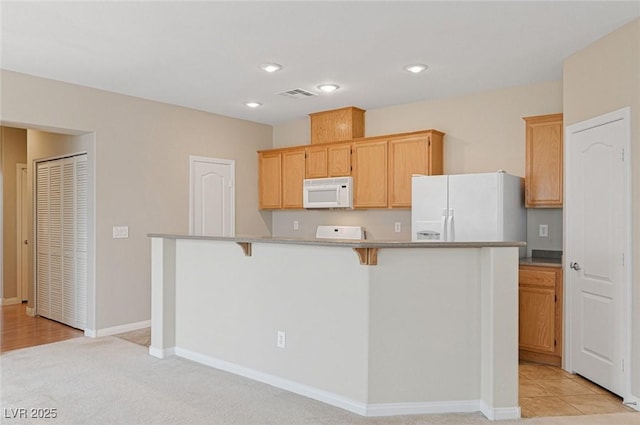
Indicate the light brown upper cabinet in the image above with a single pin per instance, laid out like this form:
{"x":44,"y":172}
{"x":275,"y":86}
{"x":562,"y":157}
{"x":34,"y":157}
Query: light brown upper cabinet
{"x":409,"y":155}
{"x":269,"y":180}
{"x":381,"y":168}
{"x":339,"y":160}
{"x":544,"y":161}
{"x":337,"y":125}
{"x":316,"y":157}
{"x":370,"y":174}
{"x":293,"y":171}
{"x":333,"y":160}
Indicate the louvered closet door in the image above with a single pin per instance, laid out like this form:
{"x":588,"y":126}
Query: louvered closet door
{"x":61,"y":214}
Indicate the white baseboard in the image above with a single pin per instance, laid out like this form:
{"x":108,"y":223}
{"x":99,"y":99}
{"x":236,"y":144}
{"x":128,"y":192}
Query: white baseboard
{"x":276,"y":381}
{"x":360,"y":408}
{"x":118,"y":329}
{"x":499,"y":413}
{"x":31,"y":312}
{"x":394,"y":409}
{"x":162,"y":353}
{"x":632,"y":401}
{"x":10,"y":301}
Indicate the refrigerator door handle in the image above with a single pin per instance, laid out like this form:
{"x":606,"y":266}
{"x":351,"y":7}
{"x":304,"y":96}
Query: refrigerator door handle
{"x":450,"y":227}
{"x":443,"y":226}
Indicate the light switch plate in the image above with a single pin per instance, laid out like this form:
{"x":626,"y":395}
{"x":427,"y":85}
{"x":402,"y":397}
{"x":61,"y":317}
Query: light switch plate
{"x":543,"y":231}
{"x":120,"y":232}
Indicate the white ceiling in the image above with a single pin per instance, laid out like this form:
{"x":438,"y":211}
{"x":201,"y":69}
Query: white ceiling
{"x":205,"y":55}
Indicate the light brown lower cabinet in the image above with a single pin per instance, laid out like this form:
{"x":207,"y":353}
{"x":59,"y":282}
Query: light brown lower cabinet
{"x":540,"y":314}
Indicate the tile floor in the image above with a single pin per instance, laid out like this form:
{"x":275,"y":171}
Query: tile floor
{"x":140,"y":336}
{"x":544,"y":390}
{"x":550,"y":391}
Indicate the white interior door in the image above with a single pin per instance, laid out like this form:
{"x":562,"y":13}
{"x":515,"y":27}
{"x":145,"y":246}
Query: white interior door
{"x":22,"y":227}
{"x":597,"y":226}
{"x":212,"y":193}
{"x":61,"y":240}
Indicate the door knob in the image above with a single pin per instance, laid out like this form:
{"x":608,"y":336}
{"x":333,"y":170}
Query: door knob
{"x":575,"y":266}
{"x":25,"y":242}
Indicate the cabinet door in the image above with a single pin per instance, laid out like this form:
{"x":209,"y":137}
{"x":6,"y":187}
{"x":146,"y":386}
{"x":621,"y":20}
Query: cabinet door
{"x":370,"y":174}
{"x":544,"y":163}
{"x":269,"y":180}
{"x":541,"y":314}
{"x":407,"y":156}
{"x":316,"y":162}
{"x":537,"y":319}
{"x":339,"y":157}
{"x":292,"y":178}
{"x":337,"y":125}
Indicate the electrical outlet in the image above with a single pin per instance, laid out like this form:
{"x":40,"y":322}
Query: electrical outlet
{"x":296,"y":225}
{"x":543,"y":230}
{"x":281,"y":340}
{"x":397,"y":227}
{"x":120,"y":232}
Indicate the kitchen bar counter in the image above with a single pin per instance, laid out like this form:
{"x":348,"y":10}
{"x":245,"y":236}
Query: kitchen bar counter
{"x":429,"y":330}
{"x":365,"y":249}
{"x":368,"y":243}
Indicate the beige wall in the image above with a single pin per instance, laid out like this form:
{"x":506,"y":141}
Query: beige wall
{"x":13,"y":150}
{"x":602,"y":78}
{"x":484,"y":131}
{"x":141,"y":165}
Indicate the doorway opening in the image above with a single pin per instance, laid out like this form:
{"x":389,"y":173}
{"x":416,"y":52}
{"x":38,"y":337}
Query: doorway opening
{"x":39,"y":145}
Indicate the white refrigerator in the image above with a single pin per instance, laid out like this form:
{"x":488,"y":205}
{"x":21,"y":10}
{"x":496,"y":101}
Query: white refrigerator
{"x":468,"y":207}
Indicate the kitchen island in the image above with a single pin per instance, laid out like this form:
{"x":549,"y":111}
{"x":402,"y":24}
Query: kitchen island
{"x":377,"y":328}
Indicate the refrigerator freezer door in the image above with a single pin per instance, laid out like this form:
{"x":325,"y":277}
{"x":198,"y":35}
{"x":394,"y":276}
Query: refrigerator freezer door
{"x":428,"y":200}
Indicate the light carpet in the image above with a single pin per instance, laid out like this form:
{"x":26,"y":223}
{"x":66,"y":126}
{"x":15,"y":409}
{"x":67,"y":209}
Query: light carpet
{"x":112,"y":381}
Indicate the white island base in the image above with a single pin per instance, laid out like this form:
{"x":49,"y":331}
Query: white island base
{"x":417,"y":328}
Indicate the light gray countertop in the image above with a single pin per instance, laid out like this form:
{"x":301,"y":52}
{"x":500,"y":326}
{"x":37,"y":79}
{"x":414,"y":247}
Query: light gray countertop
{"x":541,"y":262}
{"x":341,"y":242}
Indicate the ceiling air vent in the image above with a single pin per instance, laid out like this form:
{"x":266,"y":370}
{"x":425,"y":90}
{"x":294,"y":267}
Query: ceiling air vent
{"x":297,"y":93}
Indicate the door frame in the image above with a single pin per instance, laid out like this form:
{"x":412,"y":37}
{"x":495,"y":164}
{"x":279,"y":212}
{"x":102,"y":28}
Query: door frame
{"x":627,"y":279}
{"x":22,"y":180}
{"x":232,"y":168}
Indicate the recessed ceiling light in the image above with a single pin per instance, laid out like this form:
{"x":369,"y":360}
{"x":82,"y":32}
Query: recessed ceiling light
{"x":271,"y":67}
{"x":253,"y":104}
{"x":328,"y":88}
{"x":415,"y":68}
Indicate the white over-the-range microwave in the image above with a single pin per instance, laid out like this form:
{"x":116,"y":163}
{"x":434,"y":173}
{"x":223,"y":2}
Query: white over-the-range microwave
{"x":336,"y":192}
